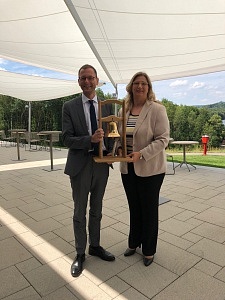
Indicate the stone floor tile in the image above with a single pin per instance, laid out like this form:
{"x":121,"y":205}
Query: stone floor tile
{"x":175,"y":240}
{"x":174,"y":259}
{"x":213,"y":215}
{"x":49,"y":251}
{"x":114,"y":286}
{"x":61,"y":294}
{"x":179,"y":196}
{"x":217,"y":201}
{"x":28,"y":265}
{"x":182,"y":190}
{"x":193,"y":285}
{"x":43,"y":226}
{"x":29,"y":239}
{"x":12,"y":281}
{"x":107,"y":221}
{"x":67,"y":215}
{"x":66,"y":232}
{"x":194,"y":221}
{"x":7,"y":219}
{"x":122,"y":217}
{"x":48,"y":236}
{"x":192,"y":237}
{"x":211,"y":231}
{"x":209,"y":250}
{"x":185,"y":215}
{"x":195,"y":206}
{"x":5,"y":232}
{"x":168,"y":211}
{"x":110,"y":237}
{"x":6,"y":204}
{"x":221,"y":274}
{"x":84,"y":288}
{"x":109,"y":212}
{"x":17,"y":214}
{"x":45,"y":280}
{"x":121,"y":227}
{"x":208,"y":267}
{"x":98,"y":270}
{"x":204,"y":193}
{"x":147,"y":280}
{"x":12,"y":252}
{"x":26,"y":294}
{"x":49,"y":212}
{"x":31,"y":207}
{"x":131,"y":294}
{"x":175,"y":227}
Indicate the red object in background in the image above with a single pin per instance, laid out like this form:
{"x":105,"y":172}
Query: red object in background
{"x":205,"y":139}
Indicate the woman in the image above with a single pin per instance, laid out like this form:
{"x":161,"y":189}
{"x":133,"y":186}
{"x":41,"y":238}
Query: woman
{"x":147,"y":136}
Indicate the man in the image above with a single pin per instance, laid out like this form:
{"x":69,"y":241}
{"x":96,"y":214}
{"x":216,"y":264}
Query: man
{"x":86,"y":176}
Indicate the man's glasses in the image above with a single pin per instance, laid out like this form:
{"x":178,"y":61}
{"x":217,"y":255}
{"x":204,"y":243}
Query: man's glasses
{"x":137,"y":83}
{"x":89,"y":78}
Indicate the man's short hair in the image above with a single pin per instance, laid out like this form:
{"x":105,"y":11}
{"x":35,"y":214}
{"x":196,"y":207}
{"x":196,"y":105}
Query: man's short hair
{"x":86,"y":66}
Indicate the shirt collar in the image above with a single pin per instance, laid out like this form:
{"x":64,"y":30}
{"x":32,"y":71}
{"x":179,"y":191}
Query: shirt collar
{"x":85,"y":99}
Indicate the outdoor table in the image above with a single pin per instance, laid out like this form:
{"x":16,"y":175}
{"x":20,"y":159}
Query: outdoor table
{"x":18,"y":132}
{"x":184,"y":144}
{"x":50,"y":133}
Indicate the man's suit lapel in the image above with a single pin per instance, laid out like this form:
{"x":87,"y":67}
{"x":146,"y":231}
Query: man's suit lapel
{"x":80,"y":113}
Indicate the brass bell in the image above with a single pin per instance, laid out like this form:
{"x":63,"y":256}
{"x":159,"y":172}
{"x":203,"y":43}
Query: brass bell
{"x":112,"y":130}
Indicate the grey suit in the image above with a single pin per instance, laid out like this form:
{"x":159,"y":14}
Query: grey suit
{"x":86,"y":176}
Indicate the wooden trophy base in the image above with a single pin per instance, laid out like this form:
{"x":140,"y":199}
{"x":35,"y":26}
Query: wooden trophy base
{"x":111,"y":159}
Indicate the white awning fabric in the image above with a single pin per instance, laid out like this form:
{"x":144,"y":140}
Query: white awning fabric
{"x":34,"y":88}
{"x":165,"y":39}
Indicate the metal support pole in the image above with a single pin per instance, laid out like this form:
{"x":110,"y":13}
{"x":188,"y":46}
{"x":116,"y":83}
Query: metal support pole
{"x":29,"y":123}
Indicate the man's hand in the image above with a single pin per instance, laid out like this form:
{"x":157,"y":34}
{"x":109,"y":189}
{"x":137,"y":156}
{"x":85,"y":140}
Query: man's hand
{"x":97,"y":136}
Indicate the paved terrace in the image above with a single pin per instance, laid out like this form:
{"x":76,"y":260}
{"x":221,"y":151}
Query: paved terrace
{"x":36,"y":238}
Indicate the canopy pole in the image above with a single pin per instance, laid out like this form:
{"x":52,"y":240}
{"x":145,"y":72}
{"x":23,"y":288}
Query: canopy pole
{"x":77,"y":19}
{"x":29,"y":122}
{"x":115,"y":96}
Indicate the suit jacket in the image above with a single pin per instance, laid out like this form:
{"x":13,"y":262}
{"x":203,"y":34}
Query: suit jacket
{"x":75,"y":134}
{"x":151,"y":136}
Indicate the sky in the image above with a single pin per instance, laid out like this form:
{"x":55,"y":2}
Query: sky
{"x":194,"y":90}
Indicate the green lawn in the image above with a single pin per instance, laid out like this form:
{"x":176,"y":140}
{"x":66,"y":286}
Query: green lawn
{"x":217,"y":161}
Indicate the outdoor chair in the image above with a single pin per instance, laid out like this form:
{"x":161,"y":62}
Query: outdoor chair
{"x":33,"y":140}
{"x":10,"y":139}
{"x":173,"y":166}
{"x":55,"y":139}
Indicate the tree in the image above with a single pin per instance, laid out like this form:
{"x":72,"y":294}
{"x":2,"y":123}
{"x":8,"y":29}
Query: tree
{"x":214,"y":129}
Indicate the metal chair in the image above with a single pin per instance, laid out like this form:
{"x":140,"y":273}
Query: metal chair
{"x":32,"y":138}
{"x":173,"y":166}
{"x":11,"y":139}
{"x":55,"y":139}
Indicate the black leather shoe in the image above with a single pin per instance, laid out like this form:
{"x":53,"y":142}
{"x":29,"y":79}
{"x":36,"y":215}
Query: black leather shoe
{"x":148,"y":261}
{"x":77,"y":265}
{"x":129,"y":252}
{"x":102,"y":253}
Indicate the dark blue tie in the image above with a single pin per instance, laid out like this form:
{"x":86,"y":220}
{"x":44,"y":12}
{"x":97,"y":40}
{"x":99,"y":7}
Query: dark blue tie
{"x":93,"y":117}
{"x":94,"y":125}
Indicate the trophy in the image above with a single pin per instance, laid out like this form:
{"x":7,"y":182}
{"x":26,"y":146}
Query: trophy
{"x":112,"y":132}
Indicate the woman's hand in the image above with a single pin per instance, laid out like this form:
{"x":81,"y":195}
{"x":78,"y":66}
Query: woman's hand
{"x":119,"y":152}
{"x":135,"y":156}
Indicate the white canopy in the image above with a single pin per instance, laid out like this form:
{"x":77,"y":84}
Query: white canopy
{"x":33,"y":88}
{"x":165,"y":39}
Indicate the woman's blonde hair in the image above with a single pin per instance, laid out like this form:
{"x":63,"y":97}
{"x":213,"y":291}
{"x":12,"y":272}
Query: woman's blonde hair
{"x":129,"y":98}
